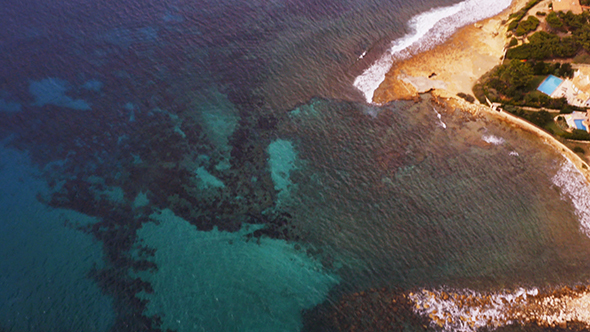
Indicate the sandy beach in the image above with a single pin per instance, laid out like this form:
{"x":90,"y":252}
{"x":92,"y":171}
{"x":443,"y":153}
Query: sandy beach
{"x":453,"y":66}
{"x":456,"y":65}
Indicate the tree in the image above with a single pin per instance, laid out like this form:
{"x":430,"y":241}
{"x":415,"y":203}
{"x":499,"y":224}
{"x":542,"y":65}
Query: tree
{"x":582,"y":37}
{"x":518,"y":74}
{"x":572,"y":21}
{"x":554,"y":21}
{"x":524,"y":27}
{"x":566,"y":70}
{"x":541,"y":118}
{"x":543,"y":45}
{"x":513,"y":42}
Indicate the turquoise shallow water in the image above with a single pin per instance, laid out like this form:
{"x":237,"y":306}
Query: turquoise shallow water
{"x":258,"y":285}
{"x":45,"y":259}
{"x":209,"y":166}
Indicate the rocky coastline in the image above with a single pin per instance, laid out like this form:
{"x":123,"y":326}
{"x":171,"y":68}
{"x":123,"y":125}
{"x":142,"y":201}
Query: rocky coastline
{"x":453,"y":68}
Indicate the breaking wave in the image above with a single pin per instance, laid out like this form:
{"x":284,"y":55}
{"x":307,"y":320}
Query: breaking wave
{"x":491,"y":139}
{"x":466,"y":310}
{"x":427,"y":30}
{"x":574,"y":186}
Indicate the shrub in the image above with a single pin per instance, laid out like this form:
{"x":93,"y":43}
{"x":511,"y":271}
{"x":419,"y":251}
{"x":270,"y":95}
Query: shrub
{"x":512,"y":25}
{"x":467,"y":97}
{"x":540,"y":118}
{"x":524,"y":27}
{"x":579,"y":149}
{"x":582,"y":37}
{"x":518,"y":74}
{"x":565,"y":70}
{"x":510,"y":109}
{"x":572,"y":21}
{"x":554,"y":21}
{"x":478,"y":91}
{"x":543,"y":45}
{"x":578,"y":134}
{"x":542,"y":13}
{"x":513,"y":42}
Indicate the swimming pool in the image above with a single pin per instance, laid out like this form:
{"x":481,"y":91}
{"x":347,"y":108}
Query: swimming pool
{"x":580,"y":125}
{"x":550,"y":84}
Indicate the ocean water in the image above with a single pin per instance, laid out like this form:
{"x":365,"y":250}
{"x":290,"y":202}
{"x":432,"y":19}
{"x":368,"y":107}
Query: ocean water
{"x":218,"y":166}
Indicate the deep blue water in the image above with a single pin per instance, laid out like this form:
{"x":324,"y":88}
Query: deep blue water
{"x":209,"y":166}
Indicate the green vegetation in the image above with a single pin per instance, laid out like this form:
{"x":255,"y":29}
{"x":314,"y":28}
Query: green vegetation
{"x":561,"y":70}
{"x":555,"y":128}
{"x":522,"y":12}
{"x":554,"y":21}
{"x":513,"y":42}
{"x":514,"y":83}
{"x":544,"y":45}
{"x":518,"y":16}
{"x":467,"y":97}
{"x":541,"y":118}
{"x":578,"y":134}
{"x":585,"y":2}
{"x":566,"y":21}
{"x":541,"y":14}
{"x":524,"y":27}
{"x":573,"y":22}
{"x":579,"y":149}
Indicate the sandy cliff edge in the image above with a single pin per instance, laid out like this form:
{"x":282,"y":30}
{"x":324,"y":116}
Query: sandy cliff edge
{"x":453,"y":66}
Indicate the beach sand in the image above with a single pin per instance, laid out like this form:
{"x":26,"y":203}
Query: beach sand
{"x":456,"y":65}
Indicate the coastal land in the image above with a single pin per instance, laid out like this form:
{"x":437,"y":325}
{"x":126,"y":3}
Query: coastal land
{"x":455,"y":66}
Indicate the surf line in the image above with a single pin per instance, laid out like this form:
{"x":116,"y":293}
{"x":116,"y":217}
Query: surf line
{"x":467,"y":310}
{"x":427,"y":30}
{"x":439,"y":116}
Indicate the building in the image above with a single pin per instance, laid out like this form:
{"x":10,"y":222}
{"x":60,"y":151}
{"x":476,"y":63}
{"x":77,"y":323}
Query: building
{"x":567,"y":5}
{"x":577,"y":120}
{"x":550,"y":85}
{"x":576,"y":91}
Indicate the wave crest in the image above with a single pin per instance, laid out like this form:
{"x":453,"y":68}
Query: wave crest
{"x":574,"y":186}
{"x":427,"y":30}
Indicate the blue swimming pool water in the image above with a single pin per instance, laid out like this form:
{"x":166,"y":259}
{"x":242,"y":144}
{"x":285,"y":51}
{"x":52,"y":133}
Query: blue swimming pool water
{"x":550,"y":84}
{"x":580,"y":125}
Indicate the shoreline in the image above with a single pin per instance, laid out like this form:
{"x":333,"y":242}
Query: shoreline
{"x":455,"y":66}
{"x":514,"y":121}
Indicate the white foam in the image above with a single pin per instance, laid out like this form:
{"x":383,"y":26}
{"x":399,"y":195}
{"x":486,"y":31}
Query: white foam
{"x":466,"y":310}
{"x":427,"y":29}
{"x":491,"y":139}
{"x":574,"y":186}
{"x":439,"y":116}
